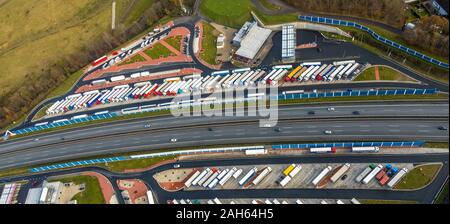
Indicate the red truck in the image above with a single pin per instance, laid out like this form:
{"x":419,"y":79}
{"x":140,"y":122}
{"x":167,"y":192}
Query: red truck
{"x":384,"y":180}
{"x":380,"y":174}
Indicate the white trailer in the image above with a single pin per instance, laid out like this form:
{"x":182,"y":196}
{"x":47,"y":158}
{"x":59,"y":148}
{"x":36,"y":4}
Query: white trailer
{"x":285,"y":180}
{"x":261,"y":176}
{"x":295,"y":171}
{"x":333,"y":74}
{"x":308,"y":76}
{"x":261,"y":151}
{"x":314,"y":75}
{"x":342,"y":72}
{"x":299,"y":202}
{"x":202,"y":174}
{"x":217,"y":201}
{"x":273,"y":76}
{"x":238,"y":81}
{"x":321,"y":175}
{"x":205,"y":178}
{"x":249,"y":74}
{"x":255,"y":78}
{"x":264,"y":80}
{"x":397,"y":177}
{"x":354,"y":201}
{"x":223,"y":173}
{"x":340,"y":172}
{"x":321,"y":150}
{"x":117,"y":78}
{"x":366,"y":149}
{"x":363,"y":174}
{"x":219,"y":84}
{"x":339,"y":202}
{"x":210,"y":179}
{"x":309,"y":69}
{"x":372,"y":174}
{"x":353,"y":68}
{"x":213,"y":183}
{"x":279,"y":77}
{"x":310,"y":63}
{"x":337,"y":63}
{"x":188,"y":182}
{"x":227,"y":176}
{"x":151,"y":199}
{"x":248,"y":176}
{"x":237,"y":173}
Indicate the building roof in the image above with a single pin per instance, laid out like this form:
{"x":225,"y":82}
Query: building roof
{"x":288,"y":41}
{"x":243,"y":31}
{"x":34,"y":194}
{"x":253,"y":41}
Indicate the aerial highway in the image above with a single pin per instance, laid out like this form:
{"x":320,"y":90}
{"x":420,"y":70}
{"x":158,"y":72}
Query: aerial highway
{"x":425,"y":195}
{"x":376,"y":121}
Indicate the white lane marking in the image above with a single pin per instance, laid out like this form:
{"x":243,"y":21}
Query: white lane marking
{"x":394,"y":130}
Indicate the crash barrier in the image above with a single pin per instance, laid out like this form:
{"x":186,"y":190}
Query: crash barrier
{"x":375,"y":35}
{"x":349,"y":144}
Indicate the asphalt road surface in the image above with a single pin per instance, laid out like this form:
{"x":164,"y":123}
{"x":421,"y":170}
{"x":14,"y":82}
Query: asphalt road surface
{"x":425,"y":195}
{"x":375,"y":122}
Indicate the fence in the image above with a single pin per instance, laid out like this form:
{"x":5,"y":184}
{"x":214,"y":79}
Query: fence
{"x":349,"y":144}
{"x":376,"y":36}
{"x":63,"y":123}
{"x":77,"y":163}
{"x":151,"y":155}
{"x":392,"y":92}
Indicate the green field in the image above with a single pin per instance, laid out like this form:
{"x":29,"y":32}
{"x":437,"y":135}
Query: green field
{"x":269,"y":5}
{"x":134,"y":59}
{"x":92,"y":193}
{"x":443,"y":145}
{"x":373,"y":201}
{"x":442,"y":195}
{"x":232,"y":13}
{"x":419,"y":177}
{"x":276,"y":19}
{"x":209,"y":44}
{"x":136,"y":163}
{"x":385,"y":73}
{"x":158,"y":51}
{"x":175,"y":42}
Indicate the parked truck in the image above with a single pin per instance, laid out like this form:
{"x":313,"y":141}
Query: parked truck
{"x":321,"y":175}
{"x":340,"y":172}
{"x":397,"y":177}
{"x":247,"y":176}
{"x":366,"y":149}
{"x":372,"y":174}
{"x":288,"y":169}
{"x":364,"y":173}
{"x":262,"y":175}
{"x":188,"y":182}
{"x":323,"y":150}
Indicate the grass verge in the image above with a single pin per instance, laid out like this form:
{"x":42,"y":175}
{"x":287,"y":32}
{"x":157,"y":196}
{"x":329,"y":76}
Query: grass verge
{"x":270,"y":5}
{"x":175,"y":42}
{"x":231,"y":13}
{"x":158,"y":51}
{"x":385,"y":73}
{"x":134,"y":59}
{"x":443,"y":145}
{"x":418,"y":177}
{"x":374,"y":201}
{"x":209,"y":44}
{"x":92,"y":193}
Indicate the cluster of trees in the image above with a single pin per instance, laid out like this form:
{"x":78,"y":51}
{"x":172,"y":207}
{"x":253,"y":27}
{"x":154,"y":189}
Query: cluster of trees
{"x":431,"y":34}
{"x":391,"y":12}
{"x":18,"y":102}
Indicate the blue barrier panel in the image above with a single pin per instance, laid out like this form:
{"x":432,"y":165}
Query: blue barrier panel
{"x":376,"y":36}
{"x":349,"y":144}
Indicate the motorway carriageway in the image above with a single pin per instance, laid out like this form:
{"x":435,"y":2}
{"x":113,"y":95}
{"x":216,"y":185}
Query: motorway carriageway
{"x":425,"y":195}
{"x":126,"y":137}
{"x":307,"y":88}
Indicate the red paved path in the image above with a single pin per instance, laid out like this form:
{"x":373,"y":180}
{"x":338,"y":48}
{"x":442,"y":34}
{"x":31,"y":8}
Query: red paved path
{"x":138,"y":190}
{"x":377,"y":73}
{"x":105,"y":185}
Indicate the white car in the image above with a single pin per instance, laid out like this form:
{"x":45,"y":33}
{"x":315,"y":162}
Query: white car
{"x":331,"y":109}
{"x":267,"y":125}
{"x":147,"y":125}
{"x":173,"y":140}
{"x":328,"y":132}
{"x":176,"y":166}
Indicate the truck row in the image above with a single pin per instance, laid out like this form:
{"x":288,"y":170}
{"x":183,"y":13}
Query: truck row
{"x":172,"y":86}
{"x":387,"y":174}
{"x":255,"y":201}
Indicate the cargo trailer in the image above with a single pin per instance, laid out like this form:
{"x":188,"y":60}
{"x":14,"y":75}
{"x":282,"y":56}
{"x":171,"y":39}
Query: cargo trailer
{"x":364,"y":173}
{"x":311,"y":63}
{"x":366,"y":149}
{"x":295,"y":171}
{"x":210,"y":179}
{"x":237,"y":173}
{"x":397,"y":177}
{"x":202,"y":174}
{"x":292,"y":73}
{"x":188,"y":182}
{"x":247,"y":176}
{"x":337,"y":63}
{"x":289,"y":169}
{"x":372,"y":174}
{"x":282,"y":67}
{"x":340,"y":172}
{"x":262,"y":175}
{"x":285,"y":180}
{"x":323,"y":150}
{"x":227,"y":176}
{"x":321,"y":175}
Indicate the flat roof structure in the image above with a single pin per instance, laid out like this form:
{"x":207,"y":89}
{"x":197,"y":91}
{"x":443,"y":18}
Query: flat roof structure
{"x":8,"y":193}
{"x":253,"y":41}
{"x":33,"y":196}
{"x":288,"y":42}
{"x":242,"y":32}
